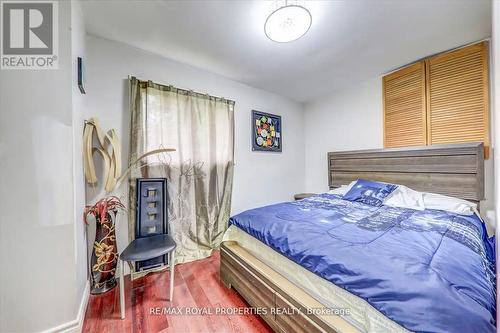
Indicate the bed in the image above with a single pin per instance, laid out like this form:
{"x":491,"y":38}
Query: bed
{"x":389,"y":270}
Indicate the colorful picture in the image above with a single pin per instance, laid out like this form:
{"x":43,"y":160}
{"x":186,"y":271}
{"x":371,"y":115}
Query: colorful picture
{"x":266,"y":132}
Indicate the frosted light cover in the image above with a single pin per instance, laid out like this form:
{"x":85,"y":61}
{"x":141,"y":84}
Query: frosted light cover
{"x":288,"y":23}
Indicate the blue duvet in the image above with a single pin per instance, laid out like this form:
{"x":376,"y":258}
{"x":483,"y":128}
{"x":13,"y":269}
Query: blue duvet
{"x":429,"y":271}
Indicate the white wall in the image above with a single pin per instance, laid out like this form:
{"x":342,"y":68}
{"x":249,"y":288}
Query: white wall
{"x":78,"y":36}
{"x":259,"y":178}
{"x":351,"y":119}
{"x":42,"y":239}
{"x":37,"y":252}
{"x":344,"y":120}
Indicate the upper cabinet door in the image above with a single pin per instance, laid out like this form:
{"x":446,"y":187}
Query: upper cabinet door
{"x":405,"y":107}
{"x":458,"y":96}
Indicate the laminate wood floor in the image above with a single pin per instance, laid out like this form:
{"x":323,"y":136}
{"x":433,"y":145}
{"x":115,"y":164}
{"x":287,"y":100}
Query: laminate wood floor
{"x":197,"y":288}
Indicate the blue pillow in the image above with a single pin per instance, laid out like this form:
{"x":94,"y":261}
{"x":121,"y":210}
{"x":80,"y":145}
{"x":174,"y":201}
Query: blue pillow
{"x":369,"y":192}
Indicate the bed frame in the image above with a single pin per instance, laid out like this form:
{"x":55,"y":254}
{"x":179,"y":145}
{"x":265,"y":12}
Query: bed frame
{"x":456,"y":170}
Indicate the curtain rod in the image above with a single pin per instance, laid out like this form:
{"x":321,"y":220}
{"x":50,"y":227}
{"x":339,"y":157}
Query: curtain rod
{"x":181,"y":89}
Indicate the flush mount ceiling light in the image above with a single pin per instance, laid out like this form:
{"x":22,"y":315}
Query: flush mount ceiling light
{"x":287,"y":23}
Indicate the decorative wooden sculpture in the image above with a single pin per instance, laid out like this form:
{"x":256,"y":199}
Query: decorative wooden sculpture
{"x":110,"y":151}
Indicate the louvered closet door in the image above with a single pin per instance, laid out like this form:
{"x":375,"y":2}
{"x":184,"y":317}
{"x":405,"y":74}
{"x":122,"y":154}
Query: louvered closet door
{"x":404,"y":107}
{"x":457,"y":96}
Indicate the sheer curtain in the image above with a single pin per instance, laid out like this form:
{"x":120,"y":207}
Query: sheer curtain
{"x":200,"y":172}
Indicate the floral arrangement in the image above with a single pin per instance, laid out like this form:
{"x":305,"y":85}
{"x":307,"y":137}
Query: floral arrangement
{"x":100,"y":210}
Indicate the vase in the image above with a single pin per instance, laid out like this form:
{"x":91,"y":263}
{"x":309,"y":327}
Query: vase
{"x":104,"y":255}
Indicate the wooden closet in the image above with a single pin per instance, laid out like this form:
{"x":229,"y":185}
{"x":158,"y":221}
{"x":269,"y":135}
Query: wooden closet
{"x":438,"y":100}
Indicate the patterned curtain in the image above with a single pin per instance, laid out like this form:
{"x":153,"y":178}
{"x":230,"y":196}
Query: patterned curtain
{"x":200,"y":172}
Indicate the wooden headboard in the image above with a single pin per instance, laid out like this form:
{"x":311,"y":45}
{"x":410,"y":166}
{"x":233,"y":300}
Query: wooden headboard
{"x":455,"y":170}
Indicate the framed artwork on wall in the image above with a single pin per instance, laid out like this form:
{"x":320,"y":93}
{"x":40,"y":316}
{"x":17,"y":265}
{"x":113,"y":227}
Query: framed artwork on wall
{"x":266,"y":132}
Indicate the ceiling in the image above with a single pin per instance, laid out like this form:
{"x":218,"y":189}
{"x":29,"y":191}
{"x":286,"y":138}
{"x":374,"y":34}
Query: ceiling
{"x":349,"y":41}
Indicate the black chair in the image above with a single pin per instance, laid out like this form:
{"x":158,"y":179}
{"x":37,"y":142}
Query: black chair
{"x":144,"y":249}
{"x":152,"y":242}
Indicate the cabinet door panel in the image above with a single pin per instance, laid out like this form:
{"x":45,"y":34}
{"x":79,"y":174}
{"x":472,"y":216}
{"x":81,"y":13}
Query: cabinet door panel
{"x":458,"y":97}
{"x":405,"y":107}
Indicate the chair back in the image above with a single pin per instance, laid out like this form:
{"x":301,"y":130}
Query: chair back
{"x":151,"y":215}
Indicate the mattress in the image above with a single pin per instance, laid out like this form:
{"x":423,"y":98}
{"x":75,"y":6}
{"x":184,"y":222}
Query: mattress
{"x":427,"y":271}
{"x":361,"y":314}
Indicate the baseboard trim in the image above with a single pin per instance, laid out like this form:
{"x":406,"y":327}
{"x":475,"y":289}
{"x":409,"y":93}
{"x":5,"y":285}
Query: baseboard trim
{"x":76,"y":325}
